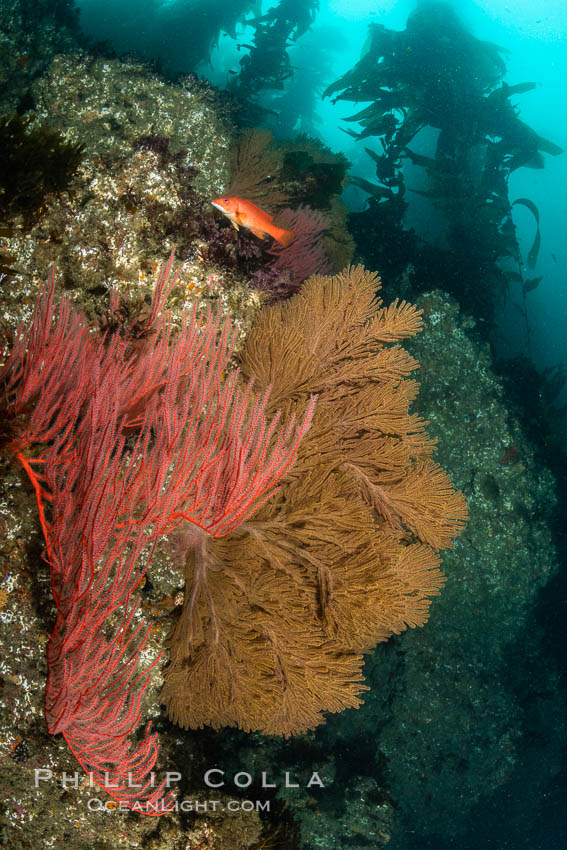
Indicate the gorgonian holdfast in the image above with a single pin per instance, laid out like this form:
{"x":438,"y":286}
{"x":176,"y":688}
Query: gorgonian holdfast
{"x":123,"y":439}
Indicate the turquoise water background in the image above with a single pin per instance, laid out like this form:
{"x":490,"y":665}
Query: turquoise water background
{"x":534,"y":36}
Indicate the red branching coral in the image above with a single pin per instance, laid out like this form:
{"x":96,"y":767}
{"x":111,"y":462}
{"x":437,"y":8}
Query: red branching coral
{"x":126,"y":439}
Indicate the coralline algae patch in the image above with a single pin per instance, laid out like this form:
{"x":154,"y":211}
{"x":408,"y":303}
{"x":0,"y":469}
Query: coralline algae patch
{"x":154,"y":154}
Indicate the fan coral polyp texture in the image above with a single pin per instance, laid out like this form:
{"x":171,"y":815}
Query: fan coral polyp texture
{"x":278,"y":614}
{"x":305,"y":256}
{"x":124,"y":438}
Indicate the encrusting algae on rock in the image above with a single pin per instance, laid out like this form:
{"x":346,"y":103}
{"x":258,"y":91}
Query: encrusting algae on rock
{"x":134,"y":195}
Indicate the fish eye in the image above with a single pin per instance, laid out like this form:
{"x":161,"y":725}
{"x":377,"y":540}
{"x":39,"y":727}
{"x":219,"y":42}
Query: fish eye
{"x":225,"y":200}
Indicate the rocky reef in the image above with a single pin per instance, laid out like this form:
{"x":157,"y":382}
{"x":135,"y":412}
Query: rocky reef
{"x":448,"y":722}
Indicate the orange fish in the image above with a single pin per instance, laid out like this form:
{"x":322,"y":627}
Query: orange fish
{"x":244,"y":213}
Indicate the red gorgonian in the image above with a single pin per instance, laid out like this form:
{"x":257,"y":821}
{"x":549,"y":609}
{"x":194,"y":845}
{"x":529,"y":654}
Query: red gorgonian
{"x":123,"y":440}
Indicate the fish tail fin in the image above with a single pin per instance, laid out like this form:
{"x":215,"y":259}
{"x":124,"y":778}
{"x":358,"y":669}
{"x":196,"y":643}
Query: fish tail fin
{"x":284,"y":237}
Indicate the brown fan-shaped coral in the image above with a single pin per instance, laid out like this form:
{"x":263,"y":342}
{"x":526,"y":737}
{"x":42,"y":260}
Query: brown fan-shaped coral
{"x":255,"y":165}
{"x":278,"y":613}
